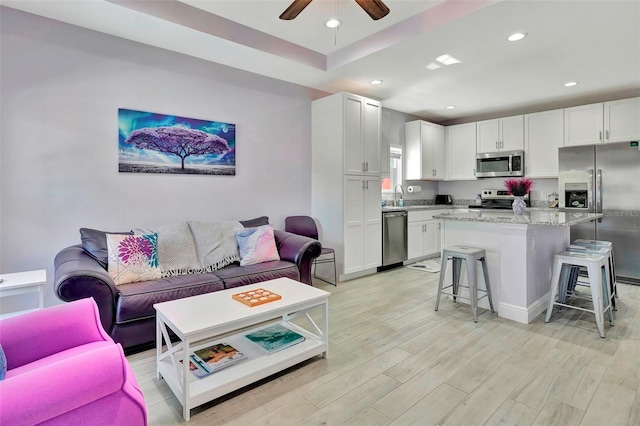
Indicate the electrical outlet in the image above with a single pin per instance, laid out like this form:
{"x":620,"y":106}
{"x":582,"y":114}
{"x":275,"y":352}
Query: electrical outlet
{"x":543,"y":195}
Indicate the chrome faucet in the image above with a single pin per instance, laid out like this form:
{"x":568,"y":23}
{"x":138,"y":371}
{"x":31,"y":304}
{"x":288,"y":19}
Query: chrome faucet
{"x":395,"y":194}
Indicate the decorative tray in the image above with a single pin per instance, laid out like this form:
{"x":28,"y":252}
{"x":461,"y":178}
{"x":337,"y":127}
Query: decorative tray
{"x":256,"y":297}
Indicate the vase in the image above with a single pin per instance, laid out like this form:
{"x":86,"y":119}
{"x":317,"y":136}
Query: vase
{"x":519,"y":206}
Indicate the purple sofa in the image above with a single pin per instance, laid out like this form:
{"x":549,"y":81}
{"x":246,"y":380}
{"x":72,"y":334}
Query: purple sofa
{"x":63,"y":369}
{"x":126,"y":310}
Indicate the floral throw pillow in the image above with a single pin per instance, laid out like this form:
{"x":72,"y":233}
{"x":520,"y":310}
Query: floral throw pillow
{"x":133,"y":258}
{"x":257,"y":245}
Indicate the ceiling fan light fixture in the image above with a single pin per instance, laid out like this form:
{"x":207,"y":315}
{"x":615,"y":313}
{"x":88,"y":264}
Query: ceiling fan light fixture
{"x":516,"y":36}
{"x":376,"y":82}
{"x":333,"y":23}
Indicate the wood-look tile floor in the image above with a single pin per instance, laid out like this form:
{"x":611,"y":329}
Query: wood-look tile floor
{"x":395,"y":361}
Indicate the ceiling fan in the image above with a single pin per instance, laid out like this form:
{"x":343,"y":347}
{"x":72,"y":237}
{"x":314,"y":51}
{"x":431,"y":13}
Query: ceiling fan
{"x":374,"y":8}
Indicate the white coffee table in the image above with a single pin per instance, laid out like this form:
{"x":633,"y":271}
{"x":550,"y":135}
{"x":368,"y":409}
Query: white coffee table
{"x":199,"y":321}
{"x":23,"y":283}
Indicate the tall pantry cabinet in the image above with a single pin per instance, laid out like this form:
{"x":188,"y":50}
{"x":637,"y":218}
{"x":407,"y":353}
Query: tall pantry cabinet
{"x":345,"y":180}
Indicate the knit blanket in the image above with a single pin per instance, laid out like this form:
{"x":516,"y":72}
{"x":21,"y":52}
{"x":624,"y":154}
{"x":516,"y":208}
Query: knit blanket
{"x":195,"y":247}
{"x":215,"y":243}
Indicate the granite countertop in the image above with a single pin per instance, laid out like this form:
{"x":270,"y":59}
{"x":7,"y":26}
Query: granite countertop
{"x":423,"y":207}
{"x":545,"y":217}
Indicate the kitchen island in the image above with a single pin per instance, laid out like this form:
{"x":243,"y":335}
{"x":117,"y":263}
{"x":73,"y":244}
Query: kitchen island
{"x":519,"y":253}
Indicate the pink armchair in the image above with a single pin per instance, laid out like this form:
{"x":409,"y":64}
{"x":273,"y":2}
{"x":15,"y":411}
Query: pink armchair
{"x":63,"y":369}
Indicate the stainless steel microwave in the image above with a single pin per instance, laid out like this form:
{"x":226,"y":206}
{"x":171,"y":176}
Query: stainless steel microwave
{"x":500,"y":164}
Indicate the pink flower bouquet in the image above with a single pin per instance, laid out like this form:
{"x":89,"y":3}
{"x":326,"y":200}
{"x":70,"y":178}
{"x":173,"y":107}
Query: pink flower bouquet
{"x":518,"y":187}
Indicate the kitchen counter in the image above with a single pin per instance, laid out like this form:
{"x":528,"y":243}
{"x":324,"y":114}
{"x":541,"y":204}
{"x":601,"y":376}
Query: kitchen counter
{"x":544,"y":217}
{"x":519,"y":252}
{"x":425,"y":207}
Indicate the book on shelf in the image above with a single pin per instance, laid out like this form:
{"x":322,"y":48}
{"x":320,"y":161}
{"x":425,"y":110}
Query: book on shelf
{"x":275,"y":337}
{"x":213,"y":358}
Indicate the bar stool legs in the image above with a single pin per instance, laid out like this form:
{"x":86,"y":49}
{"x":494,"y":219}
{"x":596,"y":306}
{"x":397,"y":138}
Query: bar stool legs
{"x":471,"y":256}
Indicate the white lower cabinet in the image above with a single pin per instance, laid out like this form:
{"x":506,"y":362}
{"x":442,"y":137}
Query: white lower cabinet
{"x":362,"y":223}
{"x":423,"y":234}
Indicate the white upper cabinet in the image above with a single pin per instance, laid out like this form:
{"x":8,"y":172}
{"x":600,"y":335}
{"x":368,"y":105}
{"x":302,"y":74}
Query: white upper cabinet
{"x":361,"y":135}
{"x":622,"y":120}
{"x":615,"y":121}
{"x":460,"y":154}
{"x":583,"y":125}
{"x":543,"y":135}
{"x":424,"y":151}
{"x":502,"y":134}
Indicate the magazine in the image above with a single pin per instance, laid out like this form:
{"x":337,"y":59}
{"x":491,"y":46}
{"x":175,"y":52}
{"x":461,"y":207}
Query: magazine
{"x":214,"y":358}
{"x":198,"y":372}
{"x":275,"y":337}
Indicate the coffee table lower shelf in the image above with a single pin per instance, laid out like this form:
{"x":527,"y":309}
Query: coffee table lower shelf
{"x":256,"y":367}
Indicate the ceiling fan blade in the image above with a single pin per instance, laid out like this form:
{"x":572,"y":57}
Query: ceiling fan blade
{"x":375,"y":8}
{"x":294,"y":9}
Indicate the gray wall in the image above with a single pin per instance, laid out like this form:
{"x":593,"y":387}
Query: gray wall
{"x":61,"y":87}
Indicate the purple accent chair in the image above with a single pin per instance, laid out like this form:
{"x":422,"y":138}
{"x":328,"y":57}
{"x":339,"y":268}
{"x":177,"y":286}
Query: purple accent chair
{"x":63,"y":369}
{"x":306,"y":226}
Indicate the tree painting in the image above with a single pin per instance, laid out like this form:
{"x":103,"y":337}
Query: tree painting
{"x":155,"y":143}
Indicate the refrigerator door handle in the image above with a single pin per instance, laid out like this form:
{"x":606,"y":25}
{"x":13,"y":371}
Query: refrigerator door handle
{"x":591,"y":197}
{"x":599,"y":192}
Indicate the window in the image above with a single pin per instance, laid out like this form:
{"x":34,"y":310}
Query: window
{"x":395,"y":170}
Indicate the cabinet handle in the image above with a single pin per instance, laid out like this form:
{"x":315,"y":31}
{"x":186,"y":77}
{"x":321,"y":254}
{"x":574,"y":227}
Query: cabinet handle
{"x":600,"y":135}
{"x":362,"y":182}
{"x":366,"y":185}
{"x":607,"y":134}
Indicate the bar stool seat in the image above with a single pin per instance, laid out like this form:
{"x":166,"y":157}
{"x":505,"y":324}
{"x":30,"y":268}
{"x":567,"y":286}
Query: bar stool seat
{"x":598,"y":273}
{"x":471,"y":255}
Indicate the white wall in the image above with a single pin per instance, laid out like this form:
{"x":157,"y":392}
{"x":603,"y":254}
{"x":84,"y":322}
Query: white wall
{"x":61,"y":87}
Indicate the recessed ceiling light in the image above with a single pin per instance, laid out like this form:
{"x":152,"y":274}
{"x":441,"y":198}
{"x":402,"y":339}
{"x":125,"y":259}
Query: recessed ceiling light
{"x":433,"y":66}
{"x":333,"y":23}
{"x":375,"y":82}
{"x":570,"y":83}
{"x":450,"y":107}
{"x":516,"y":36}
{"x":447,"y":59}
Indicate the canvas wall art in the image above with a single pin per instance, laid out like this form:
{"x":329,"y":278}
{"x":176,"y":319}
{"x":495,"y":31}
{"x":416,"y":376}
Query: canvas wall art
{"x":158,"y":143}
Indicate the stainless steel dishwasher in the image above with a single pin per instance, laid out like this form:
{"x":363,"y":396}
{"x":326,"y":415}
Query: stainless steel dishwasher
{"x":394,"y":237}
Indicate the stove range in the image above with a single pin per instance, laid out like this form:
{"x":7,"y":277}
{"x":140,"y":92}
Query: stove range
{"x":497,"y":199}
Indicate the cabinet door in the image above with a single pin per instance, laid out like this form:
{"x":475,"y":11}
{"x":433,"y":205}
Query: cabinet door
{"x":488,"y":136}
{"x":354,"y":227}
{"x":544,"y":132}
{"x":353,"y":119}
{"x":385,"y":143}
{"x":371,"y":141}
{"x":460,"y":152}
{"x":438,"y":152}
{"x":427,"y":137}
{"x":414,"y":239}
{"x":431,"y":237}
{"x":372,"y":242}
{"x":583,"y":125}
{"x":412,"y":151}
{"x":511,"y":133}
{"x":622,"y":120}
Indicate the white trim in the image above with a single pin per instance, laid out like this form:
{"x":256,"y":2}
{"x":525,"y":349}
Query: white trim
{"x":523,"y":315}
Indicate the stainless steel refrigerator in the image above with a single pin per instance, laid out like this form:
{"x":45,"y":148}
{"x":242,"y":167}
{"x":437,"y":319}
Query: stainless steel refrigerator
{"x":605,"y":179}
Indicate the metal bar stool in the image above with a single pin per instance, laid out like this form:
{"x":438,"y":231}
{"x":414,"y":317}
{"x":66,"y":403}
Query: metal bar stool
{"x":471,"y":256}
{"x":612,"y":263}
{"x":575,"y":271}
{"x":598,"y":273}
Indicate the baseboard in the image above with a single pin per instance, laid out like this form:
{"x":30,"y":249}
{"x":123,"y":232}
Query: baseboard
{"x":523,"y":315}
